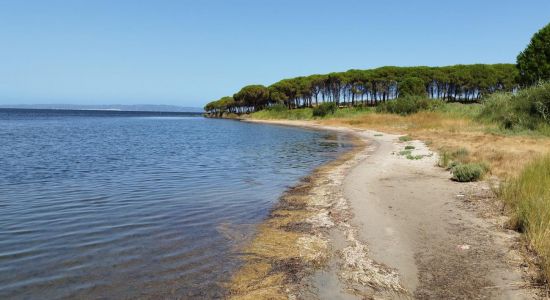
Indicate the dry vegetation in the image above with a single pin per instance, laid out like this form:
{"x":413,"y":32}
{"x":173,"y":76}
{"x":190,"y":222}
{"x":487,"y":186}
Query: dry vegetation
{"x":521,"y":162}
{"x":506,"y":139}
{"x":506,"y":155}
{"x":529,"y":197}
{"x":514,"y":158}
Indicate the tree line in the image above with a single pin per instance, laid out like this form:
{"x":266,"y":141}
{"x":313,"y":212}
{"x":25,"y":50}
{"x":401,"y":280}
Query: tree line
{"x":464,"y":83}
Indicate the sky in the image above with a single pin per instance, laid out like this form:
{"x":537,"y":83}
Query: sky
{"x":188,"y":53}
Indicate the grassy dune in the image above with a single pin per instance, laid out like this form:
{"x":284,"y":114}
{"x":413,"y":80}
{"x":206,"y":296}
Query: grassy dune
{"x":529,"y":197}
{"x":506,"y":137}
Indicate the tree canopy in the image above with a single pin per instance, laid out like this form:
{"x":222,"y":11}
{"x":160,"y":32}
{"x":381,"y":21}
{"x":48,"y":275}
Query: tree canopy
{"x":534,"y":62}
{"x":465,"y":83}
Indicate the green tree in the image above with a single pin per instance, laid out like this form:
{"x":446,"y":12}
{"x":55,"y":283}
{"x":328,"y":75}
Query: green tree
{"x":253,"y":96}
{"x":534,"y":62}
{"x":412,"y":86}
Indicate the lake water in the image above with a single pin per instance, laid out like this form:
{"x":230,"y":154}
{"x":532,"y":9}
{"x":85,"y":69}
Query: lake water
{"x":138,"y":205}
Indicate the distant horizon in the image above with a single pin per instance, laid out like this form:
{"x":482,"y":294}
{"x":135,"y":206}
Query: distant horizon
{"x":187,"y":53}
{"x":114,"y":107}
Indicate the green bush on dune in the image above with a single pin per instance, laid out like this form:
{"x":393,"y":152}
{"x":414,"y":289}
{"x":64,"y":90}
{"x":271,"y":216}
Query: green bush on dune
{"x":409,"y":105}
{"x":324,"y":109}
{"x":278,"y":108}
{"x":468,"y":172}
{"x":529,"y":109}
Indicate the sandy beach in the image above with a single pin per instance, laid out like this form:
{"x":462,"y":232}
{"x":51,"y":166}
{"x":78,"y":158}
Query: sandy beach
{"x":378,"y":225}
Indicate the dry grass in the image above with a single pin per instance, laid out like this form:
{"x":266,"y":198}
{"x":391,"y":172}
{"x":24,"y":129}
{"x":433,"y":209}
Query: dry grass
{"x":521,"y":162}
{"x":529,"y":197}
{"x":506,"y":155}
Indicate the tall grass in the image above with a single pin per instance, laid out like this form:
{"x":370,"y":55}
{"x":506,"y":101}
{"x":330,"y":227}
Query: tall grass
{"x":529,"y":197}
{"x":409,"y":105}
{"x":323,"y":109}
{"x":278,"y":112}
{"x":283,"y":113}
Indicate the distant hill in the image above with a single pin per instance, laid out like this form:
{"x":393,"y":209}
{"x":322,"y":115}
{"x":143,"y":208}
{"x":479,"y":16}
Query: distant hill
{"x":156,"y":108}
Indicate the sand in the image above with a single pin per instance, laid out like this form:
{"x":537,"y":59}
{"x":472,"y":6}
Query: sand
{"x":411,"y":232}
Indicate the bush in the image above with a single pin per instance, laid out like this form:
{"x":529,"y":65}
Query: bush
{"x":409,"y":147}
{"x":468,"y":172}
{"x":324,"y":109}
{"x":536,"y":101}
{"x":409,"y":105}
{"x":279,"y":107}
{"x":278,"y":112}
{"x":405,"y":138}
{"x":528,"y":109}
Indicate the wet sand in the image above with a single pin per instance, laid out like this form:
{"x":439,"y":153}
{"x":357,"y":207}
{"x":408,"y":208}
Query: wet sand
{"x":397,"y":228}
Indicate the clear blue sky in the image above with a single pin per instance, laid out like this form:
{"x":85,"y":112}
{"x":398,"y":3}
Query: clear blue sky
{"x":190,"y":52}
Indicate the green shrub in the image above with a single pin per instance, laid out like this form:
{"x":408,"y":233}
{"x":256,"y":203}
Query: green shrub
{"x":324,"y":109}
{"x":536,"y":101}
{"x":405,"y":152}
{"x":280,"y":113}
{"x":409,"y":147}
{"x":414,"y":157}
{"x":405,"y":138}
{"x":528,"y":109}
{"x":409,"y":105}
{"x":468,"y":172}
{"x":279,"y":107}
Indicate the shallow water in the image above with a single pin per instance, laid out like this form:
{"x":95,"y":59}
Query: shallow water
{"x":125,"y":205}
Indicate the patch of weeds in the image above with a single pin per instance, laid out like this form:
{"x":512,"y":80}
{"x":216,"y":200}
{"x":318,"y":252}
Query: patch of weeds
{"x":444,"y":160}
{"x":449,"y":159}
{"x":414,"y":157}
{"x":378,"y":134}
{"x":409,"y":147}
{"x":468,"y":172}
{"x":324,"y":109}
{"x":405,"y":152}
{"x":460,"y":154}
{"x":405,"y":138}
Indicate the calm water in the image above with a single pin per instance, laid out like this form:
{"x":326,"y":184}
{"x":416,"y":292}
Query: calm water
{"x":130,"y":205}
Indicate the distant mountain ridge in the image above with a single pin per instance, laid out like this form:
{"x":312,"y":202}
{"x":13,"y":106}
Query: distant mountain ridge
{"x":145,"y":107}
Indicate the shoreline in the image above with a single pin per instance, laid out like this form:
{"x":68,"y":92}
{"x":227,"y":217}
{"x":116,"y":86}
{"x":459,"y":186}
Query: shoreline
{"x":294,"y":241}
{"x":355,"y":234}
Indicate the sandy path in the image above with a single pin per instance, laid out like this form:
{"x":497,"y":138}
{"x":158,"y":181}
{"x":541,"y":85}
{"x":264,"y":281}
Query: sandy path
{"x":409,"y":221}
{"x":411,"y":216}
